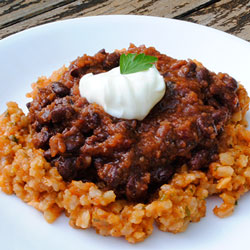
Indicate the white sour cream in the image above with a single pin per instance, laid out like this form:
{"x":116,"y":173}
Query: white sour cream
{"x":129,"y":96}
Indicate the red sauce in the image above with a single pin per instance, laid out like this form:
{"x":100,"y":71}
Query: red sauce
{"x":129,"y":156}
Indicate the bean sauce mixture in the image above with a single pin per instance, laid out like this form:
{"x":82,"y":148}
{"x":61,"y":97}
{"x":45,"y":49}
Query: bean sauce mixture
{"x":133,"y":157}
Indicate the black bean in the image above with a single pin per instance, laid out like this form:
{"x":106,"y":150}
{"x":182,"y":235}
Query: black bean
{"x":220,"y":116}
{"x":202,"y":74}
{"x":41,"y":139}
{"x":137,"y":187}
{"x":168,"y":102}
{"x":114,"y":176}
{"x":188,"y":70}
{"x":37,"y":126}
{"x":78,"y":72}
{"x":102,"y":51}
{"x":230,"y":82}
{"x":74,"y":142}
{"x":60,"y":113}
{"x":206,"y":126}
{"x":224,"y":94}
{"x":28,"y":105}
{"x":199,"y":160}
{"x":59,"y":89}
{"x":66,"y":168}
{"x":47,"y":155}
{"x":192,"y":66}
{"x":212,"y":101}
{"x":111,"y":61}
{"x":162,"y":174}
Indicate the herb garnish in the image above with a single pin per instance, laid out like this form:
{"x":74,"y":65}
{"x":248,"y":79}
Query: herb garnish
{"x":132,"y":63}
{"x":13,"y":138}
{"x":163,"y":197}
{"x":187,"y":211}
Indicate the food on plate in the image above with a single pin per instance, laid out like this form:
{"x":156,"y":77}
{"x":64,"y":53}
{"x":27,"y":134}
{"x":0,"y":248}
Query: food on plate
{"x":119,"y":170}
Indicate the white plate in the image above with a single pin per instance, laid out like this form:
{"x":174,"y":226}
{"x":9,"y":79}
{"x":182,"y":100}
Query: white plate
{"x":43,"y":49}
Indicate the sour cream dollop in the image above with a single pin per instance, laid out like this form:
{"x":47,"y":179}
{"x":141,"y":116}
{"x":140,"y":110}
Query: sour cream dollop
{"x":128,"y":96}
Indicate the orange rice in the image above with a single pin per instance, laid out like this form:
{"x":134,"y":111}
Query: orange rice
{"x":25,"y":173}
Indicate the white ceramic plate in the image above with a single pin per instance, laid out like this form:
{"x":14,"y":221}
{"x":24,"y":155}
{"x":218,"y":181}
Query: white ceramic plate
{"x":41,"y":50}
